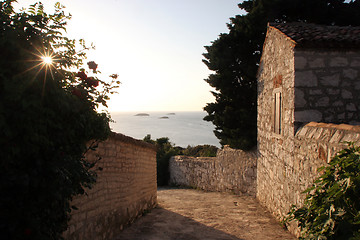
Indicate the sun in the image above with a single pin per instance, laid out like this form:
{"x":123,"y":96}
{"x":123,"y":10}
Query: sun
{"x":47,"y":60}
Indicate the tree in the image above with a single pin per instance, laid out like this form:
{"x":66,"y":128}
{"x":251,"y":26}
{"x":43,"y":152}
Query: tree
{"x":48,"y":121}
{"x":332,"y":208}
{"x":234,"y":57}
{"x":165,"y":150}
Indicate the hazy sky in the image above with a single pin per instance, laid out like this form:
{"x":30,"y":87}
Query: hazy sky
{"x":155,"y":46}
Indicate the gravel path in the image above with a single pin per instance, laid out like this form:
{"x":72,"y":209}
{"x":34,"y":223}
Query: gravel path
{"x":186,"y":214}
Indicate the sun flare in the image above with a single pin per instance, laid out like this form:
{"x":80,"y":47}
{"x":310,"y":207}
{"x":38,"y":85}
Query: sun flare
{"x":44,"y":61}
{"x":47,"y":60}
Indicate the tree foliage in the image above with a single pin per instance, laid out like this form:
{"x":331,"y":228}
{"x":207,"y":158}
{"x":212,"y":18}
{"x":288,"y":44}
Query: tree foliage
{"x":165,"y":150}
{"x":48,"y":118}
{"x":200,"y":151}
{"x":234,"y":57}
{"x":332,"y":208}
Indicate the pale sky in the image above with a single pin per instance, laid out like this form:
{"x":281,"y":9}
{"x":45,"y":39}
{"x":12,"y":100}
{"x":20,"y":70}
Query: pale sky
{"x":155,"y":46}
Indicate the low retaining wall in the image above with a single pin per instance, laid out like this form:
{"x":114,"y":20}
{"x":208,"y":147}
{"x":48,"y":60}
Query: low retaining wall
{"x":125,"y":188}
{"x":282,"y":177}
{"x":230,"y":171}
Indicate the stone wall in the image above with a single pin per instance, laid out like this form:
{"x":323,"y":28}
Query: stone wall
{"x":125,"y":188}
{"x":275,"y":150}
{"x":326,"y":86}
{"x":281,"y":185}
{"x":230,"y":171}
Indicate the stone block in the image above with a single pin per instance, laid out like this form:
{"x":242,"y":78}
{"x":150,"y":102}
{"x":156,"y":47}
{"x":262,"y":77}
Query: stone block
{"x":305,"y":79}
{"x":315,"y":92}
{"x":338,"y":103}
{"x":346,"y":83}
{"x":355,"y":62}
{"x":333,"y":91}
{"x":300,"y":62}
{"x":351,"y":107}
{"x":357,"y":85}
{"x":299,"y":98}
{"x":341,"y":116}
{"x":317,"y":63}
{"x":308,"y":116}
{"x":332,"y":80}
{"x":346,"y":94}
{"x":322,"y":102}
{"x":350,"y":73}
{"x":339,"y":62}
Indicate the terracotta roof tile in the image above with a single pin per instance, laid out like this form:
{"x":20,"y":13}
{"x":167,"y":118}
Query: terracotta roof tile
{"x":311,"y":35}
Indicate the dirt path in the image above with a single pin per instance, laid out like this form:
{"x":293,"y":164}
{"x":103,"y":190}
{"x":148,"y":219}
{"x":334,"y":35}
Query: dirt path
{"x":186,"y":214}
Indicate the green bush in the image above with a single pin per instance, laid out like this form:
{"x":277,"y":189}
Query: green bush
{"x":165,"y":150}
{"x":332,"y":204}
{"x":200,"y":151}
{"x":47,"y":119}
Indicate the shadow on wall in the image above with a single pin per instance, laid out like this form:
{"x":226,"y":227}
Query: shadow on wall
{"x":164,"y":224}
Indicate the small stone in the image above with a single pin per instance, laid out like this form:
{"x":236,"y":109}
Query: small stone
{"x":332,"y":80}
{"x":299,"y":98}
{"x":341,"y":116}
{"x":346,"y":94}
{"x":346,"y":83}
{"x":338,"y":104}
{"x":300,"y":62}
{"x":322,"y":102}
{"x":350,"y":73}
{"x":339,"y":62}
{"x":351,"y":107}
{"x":317,"y":63}
{"x":355,"y":62}
{"x":315,"y":92}
{"x":333,"y":91}
{"x":305,"y":79}
{"x":357,"y":85}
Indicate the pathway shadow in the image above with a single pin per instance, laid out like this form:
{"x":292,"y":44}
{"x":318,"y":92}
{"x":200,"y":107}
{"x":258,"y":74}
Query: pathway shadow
{"x":162,"y":224}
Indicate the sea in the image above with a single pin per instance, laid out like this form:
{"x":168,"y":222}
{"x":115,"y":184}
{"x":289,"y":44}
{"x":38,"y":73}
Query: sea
{"x":182,"y":128}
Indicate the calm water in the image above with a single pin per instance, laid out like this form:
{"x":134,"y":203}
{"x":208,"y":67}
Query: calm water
{"x":183,"y":128}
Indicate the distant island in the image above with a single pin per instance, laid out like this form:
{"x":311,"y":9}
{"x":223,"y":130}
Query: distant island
{"x":142,"y":115}
{"x":170,"y":114}
{"x":164,"y":117}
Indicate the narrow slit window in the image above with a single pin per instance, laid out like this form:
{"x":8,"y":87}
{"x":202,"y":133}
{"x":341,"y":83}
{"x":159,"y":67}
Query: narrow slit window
{"x":277,"y":113}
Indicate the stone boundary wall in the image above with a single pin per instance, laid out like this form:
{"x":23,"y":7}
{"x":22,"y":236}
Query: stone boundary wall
{"x":125,"y":188}
{"x":230,"y":171}
{"x":281,"y":184}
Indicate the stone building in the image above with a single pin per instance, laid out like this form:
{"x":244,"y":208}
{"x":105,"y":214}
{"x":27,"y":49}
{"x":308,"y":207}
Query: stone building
{"x":308,"y":73}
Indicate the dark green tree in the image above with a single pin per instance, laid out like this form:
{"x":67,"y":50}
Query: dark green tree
{"x":234,"y":57}
{"x":48,"y":120}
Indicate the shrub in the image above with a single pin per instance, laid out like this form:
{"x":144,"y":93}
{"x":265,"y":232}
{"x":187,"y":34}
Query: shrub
{"x":47,"y":118}
{"x":200,"y":151}
{"x":332,"y":207}
{"x":165,"y":150}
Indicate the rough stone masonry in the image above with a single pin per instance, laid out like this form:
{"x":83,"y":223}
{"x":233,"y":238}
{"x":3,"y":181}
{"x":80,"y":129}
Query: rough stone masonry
{"x":125,"y":188}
